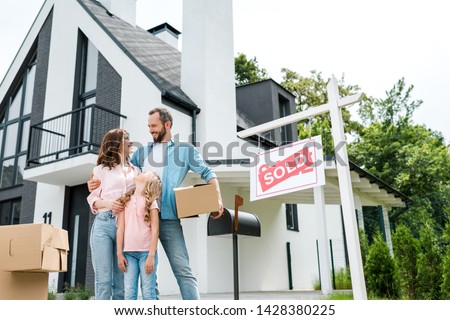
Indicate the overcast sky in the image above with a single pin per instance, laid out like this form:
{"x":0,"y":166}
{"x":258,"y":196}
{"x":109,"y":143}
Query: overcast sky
{"x":373,"y":43}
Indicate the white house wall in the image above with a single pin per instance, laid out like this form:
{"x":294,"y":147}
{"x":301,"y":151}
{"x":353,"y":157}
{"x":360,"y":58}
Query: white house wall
{"x":138,"y":96}
{"x":50,"y":199}
{"x":262,"y":260}
{"x":62,"y":57}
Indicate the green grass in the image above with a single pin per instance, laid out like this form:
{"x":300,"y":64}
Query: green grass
{"x":340,"y":296}
{"x":342,"y":279}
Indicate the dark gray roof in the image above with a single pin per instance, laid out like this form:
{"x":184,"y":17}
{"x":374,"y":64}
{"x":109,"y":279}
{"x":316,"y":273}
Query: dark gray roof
{"x":158,"y":60}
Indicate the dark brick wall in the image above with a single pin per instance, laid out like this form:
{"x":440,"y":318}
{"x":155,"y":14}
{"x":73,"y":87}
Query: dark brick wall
{"x":109,"y":92}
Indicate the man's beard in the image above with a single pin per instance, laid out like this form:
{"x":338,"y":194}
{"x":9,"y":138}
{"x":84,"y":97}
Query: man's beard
{"x":160,"y":135}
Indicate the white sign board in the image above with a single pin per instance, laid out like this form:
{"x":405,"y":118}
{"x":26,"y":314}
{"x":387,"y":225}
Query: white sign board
{"x":293,"y":167}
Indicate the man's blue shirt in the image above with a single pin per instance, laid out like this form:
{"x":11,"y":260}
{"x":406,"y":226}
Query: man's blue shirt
{"x":179,"y":158}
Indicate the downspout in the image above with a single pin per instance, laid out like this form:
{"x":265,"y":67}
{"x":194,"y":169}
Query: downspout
{"x":194,"y":127}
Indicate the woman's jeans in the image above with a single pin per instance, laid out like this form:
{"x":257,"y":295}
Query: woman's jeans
{"x":135,"y":270}
{"x":172,"y":240}
{"x":108,"y":277}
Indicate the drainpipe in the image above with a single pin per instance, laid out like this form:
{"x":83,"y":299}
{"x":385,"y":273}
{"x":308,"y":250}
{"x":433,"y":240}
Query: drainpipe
{"x":194,"y":127}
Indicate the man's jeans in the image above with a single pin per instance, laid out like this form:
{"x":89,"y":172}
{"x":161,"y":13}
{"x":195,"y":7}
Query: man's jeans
{"x":172,"y":240}
{"x":135,"y":270}
{"x":108,"y":276}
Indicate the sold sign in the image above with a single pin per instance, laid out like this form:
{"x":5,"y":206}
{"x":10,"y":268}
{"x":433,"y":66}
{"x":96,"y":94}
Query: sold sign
{"x":290,"y":168}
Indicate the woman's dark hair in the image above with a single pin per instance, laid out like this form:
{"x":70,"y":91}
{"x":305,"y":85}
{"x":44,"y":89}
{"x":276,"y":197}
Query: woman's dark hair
{"x":111,"y":149}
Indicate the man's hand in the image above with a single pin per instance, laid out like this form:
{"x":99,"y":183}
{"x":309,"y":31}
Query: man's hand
{"x":215,"y":182}
{"x":117,"y":207}
{"x":93,"y":184}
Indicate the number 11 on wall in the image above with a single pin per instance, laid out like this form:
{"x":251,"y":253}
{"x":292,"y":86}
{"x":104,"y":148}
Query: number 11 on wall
{"x":47,"y":215}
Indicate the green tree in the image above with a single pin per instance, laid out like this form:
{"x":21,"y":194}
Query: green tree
{"x":445,"y":287}
{"x":310,"y":92}
{"x":248,"y":70}
{"x":395,"y":108}
{"x":429,"y":270}
{"x":406,"y":253}
{"x":380,"y":271}
{"x":411,"y":158}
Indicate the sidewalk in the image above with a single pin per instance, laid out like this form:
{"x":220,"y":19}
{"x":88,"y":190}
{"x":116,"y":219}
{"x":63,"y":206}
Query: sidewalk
{"x":260,"y":295}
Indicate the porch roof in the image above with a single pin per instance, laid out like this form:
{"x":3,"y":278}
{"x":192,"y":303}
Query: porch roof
{"x":370,"y":190}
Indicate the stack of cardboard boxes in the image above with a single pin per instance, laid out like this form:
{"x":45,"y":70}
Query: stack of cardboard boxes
{"x":28,"y":252}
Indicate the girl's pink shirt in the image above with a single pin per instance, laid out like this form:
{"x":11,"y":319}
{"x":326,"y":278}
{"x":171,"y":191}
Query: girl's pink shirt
{"x":114,"y":183}
{"x":137,"y":233}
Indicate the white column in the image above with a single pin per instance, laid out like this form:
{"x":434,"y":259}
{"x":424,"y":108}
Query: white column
{"x":359,"y":211}
{"x":207,"y":69}
{"x":346,"y":191}
{"x":387,"y":229}
{"x":322,"y":236}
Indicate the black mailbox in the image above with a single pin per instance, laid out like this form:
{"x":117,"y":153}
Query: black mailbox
{"x":234,"y":222}
{"x":248,"y":224}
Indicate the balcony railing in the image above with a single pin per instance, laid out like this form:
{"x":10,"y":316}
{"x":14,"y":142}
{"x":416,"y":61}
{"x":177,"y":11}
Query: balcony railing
{"x":70,"y":134}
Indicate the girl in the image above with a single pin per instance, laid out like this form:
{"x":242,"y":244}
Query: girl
{"x":116,"y":176}
{"x":137,"y":237}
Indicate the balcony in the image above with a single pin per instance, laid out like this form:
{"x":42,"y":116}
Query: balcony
{"x":63,"y":150}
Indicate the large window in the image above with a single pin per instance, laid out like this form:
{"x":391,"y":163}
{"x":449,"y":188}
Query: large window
{"x":88,"y":82}
{"x":10,"y":212}
{"x":15,"y":128}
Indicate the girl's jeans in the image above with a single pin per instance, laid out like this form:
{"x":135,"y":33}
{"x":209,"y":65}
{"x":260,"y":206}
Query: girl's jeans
{"x":135,"y":271}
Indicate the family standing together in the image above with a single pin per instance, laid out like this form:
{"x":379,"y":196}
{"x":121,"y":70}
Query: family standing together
{"x":134,"y":203}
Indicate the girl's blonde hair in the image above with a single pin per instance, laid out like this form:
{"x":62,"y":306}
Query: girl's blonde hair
{"x":151,"y":192}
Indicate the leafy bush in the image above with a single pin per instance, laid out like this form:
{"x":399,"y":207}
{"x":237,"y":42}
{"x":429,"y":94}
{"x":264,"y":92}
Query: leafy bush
{"x":406,"y":254}
{"x":429,"y":264}
{"x":380,"y":270}
{"x":51,"y":296}
{"x":77,"y":292}
{"x":363,"y":244}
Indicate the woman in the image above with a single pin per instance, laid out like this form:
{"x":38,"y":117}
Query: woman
{"x":117,"y":178}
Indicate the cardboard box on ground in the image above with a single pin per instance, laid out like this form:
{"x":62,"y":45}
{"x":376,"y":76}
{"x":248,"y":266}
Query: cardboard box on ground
{"x":194,"y":200}
{"x":28,"y":252}
{"x":23,"y":285}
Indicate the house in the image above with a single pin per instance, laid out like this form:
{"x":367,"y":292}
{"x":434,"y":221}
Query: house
{"x":85,"y":67}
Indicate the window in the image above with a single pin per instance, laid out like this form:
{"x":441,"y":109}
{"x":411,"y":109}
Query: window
{"x":291,"y":217}
{"x":10,"y":212}
{"x":285,"y":131}
{"x":88,"y":83}
{"x":15,"y":128}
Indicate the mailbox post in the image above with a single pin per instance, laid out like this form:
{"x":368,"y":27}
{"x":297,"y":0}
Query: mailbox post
{"x":235,"y":223}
